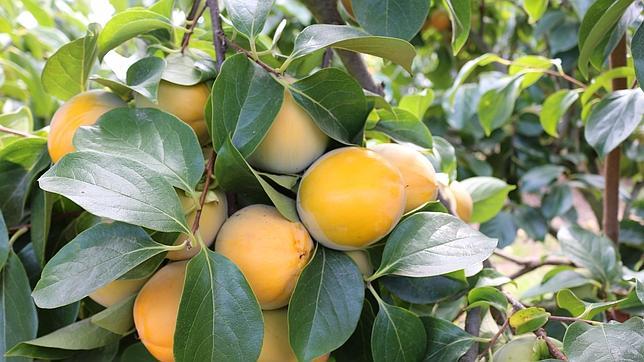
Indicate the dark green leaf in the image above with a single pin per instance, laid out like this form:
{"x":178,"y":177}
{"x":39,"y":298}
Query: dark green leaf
{"x":554,"y":108}
{"x":325,"y":306}
{"x":50,"y":320}
{"x":137,"y":352}
{"x":423,"y":290}
{"x":398,"y":335}
{"x":66,"y":71}
{"x":595,"y":253}
{"x":609,"y":342}
{"x":94,"y":258}
{"x":445,"y":341}
{"x":557,"y":201}
{"x":17,"y":311}
{"x":248,"y":16}
{"x":501,"y":227}
{"x":335,"y":101}
{"x":528,"y":320}
{"x":219,"y":317}
{"x":397,"y":18}
{"x":403,"y":126}
{"x":127,"y":191}
{"x":144,"y":75}
{"x":460,"y":16}
{"x":563,"y":279}
{"x":429,"y":243}
{"x":319,"y":36}
{"x":496,"y":105}
{"x":41,"y":205}
{"x":487,"y":296}
{"x":4,"y":242}
{"x":539,"y":177}
{"x":613,"y":119}
{"x":567,"y":300}
{"x":154,"y":138}
{"x":532,"y":221}
{"x":358,"y":347}
{"x":637,"y":50}
{"x":488,"y":194}
{"x":117,"y":318}
{"x":248,"y":100}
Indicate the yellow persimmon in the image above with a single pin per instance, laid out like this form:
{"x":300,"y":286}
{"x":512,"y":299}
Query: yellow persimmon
{"x":350,"y":198}
{"x":81,"y":110}
{"x":270,"y":250}
{"x":361,"y":258}
{"x":461,"y":201}
{"x":276,"y":346}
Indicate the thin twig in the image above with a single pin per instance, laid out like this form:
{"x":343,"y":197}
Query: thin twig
{"x":202,"y":199}
{"x":218,"y":37}
{"x":249,"y":55}
{"x":571,"y":320}
{"x":566,"y":77}
{"x":530,"y":265}
{"x":498,"y":334}
{"x":17,"y":235}
{"x":15,"y":132}
{"x":192,"y":19}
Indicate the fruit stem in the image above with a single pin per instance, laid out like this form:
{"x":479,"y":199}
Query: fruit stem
{"x":18,"y":234}
{"x":178,"y":247}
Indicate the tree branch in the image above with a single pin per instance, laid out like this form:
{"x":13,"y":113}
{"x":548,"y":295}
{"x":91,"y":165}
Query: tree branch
{"x":191,"y":23}
{"x":326,"y":11}
{"x":530,"y":265}
{"x":15,"y":132}
{"x":218,"y":37}
{"x":472,"y":326}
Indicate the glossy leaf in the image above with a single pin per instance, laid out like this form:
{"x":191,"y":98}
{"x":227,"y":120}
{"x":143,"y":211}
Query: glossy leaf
{"x":429,"y":243}
{"x":532,"y":65}
{"x":528,"y":320}
{"x":424,"y":290}
{"x":249,"y":99}
{"x":137,"y":352}
{"x":396,"y":18}
{"x":19,"y":120}
{"x":637,"y":50}
{"x":535,"y":9}
{"x":501,"y":227}
{"x":66,"y":71}
{"x":604,"y":81}
{"x":358,"y":347}
{"x":398,"y":335}
{"x":567,"y":300}
{"x":154,"y":138}
{"x":248,"y":16}
{"x":117,"y":318}
{"x":325,"y":306}
{"x":460,"y":16}
{"x":488,"y":194}
{"x":41,"y":209}
{"x":219,"y":317}
{"x":445,"y":341}
{"x":127,"y":191}
{"x":403,"y":126}
{"x":320,"y":36}
{"x":557,"y":201}
{"x":613,"y":119}
{"x":335,"y":101}
{"x":17,"y":311}
{"x":496,"y":105}
{"x":562,"y":280}
{"x":106,"y":250}
{"x":417,"y":104}
{"x":487,"y":296}
{"x":4,"y":242}
{"x":554,"y":107}
{"x":595,"y":253}
{"x":144,"y":75}
{"x":187,"y":70}
{"x":539,"y":177}
{"x":606,"y":342}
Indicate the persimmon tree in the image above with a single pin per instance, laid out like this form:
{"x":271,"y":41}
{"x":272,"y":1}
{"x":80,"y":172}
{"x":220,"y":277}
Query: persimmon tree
{"x":355,"y":180}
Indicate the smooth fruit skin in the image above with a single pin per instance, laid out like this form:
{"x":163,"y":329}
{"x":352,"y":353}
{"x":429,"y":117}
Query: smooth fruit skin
{"x":185,"y":102}
{"x":350,"y":198}
{"x":292,"y":143}
{"x":461,"y":201}
{"x":116,"y":291}
{"x":361,"y":258}
{"x":276,"y":346}
{"x":418,"y":173}
{"x":270,"y":250}
{"x":212,"y":217}
{"x":156,"y":309}
{"x":81,"y":110}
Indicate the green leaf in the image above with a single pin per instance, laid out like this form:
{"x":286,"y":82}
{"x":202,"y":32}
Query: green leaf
{"x":94,"y":258}
{"x":424,"y":290}
{"x":128,"y":191}
{"x":496,"y":105}
{"x":567,"y":300}
{"x":608,"y":342}
{"x":358,"y":347}
{"x":20,"y":163}
{"x":460,"y":16}
{"x":532,"y":221}
{"x":529,"y":319}
{"x":397,"y":18}
{"x":50,"y":320}
{"x":540,"y":177}
{"x":596,"y":27}
{"x":501,"y":227}
{"x":129,"y":24}
{"x":19,"y":120}
{"x":41,"y":205}
{"x":639,"y":290}
{"x":488,"y":194}
{"x":249,"y":99}
{"x":561,"y":280}
{"x":319,"y":36}
{"x":336,"y":103}
{"x":187,"y":70}
{"x":154,"y":138}
{"x":557,"y":201}
{"x":637,"y":51}
{"x":445,"y":341}
{"x":613,"y":119}
{"x":604,"y":80}
{"x":467,"y":69}
{"x":83,"y":335}
{"x":430,"y":243}
{"x":532,"y":65}
{"x":17,"y":311}
{"x":325,"y":306}
{"x":117,"y":318}
{"x":554,"y":108}
{"x":595,"y":253}
{"x":443,"y":156}
{"x":417,"y":103}
{"x":489,"y":277}
{"x":4,"y":242}
{"x":487,"y":296}
{"x":137,"y":352}
{"x":535,"y":9}
{"x":234,"y":174}
{"x":219,"y":317}
{"x":66,"y":71}
{"x":403,"y":126}
{"x":248,"y":16}
{"x":144,"y":75}
{"x":397,"y":335}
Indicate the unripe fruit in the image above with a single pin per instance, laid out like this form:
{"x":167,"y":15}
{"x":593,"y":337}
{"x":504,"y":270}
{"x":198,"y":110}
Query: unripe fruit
{"x":213,"y":215}
{"x":270,"y":250}
{"x":156,"y":309}
{"x":461,"y":201}
{"x":185,"y":102}
{"x":417,"y":172}
{"x":350,"y":198}
{"x":81,"y":110}
{"x":276,"y":346}
{"x":525,"y":348}
{"x":439,"y":20}
{"x":361,"y":258}
{"x":116,"y":291}
{"x":292,"y":143}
